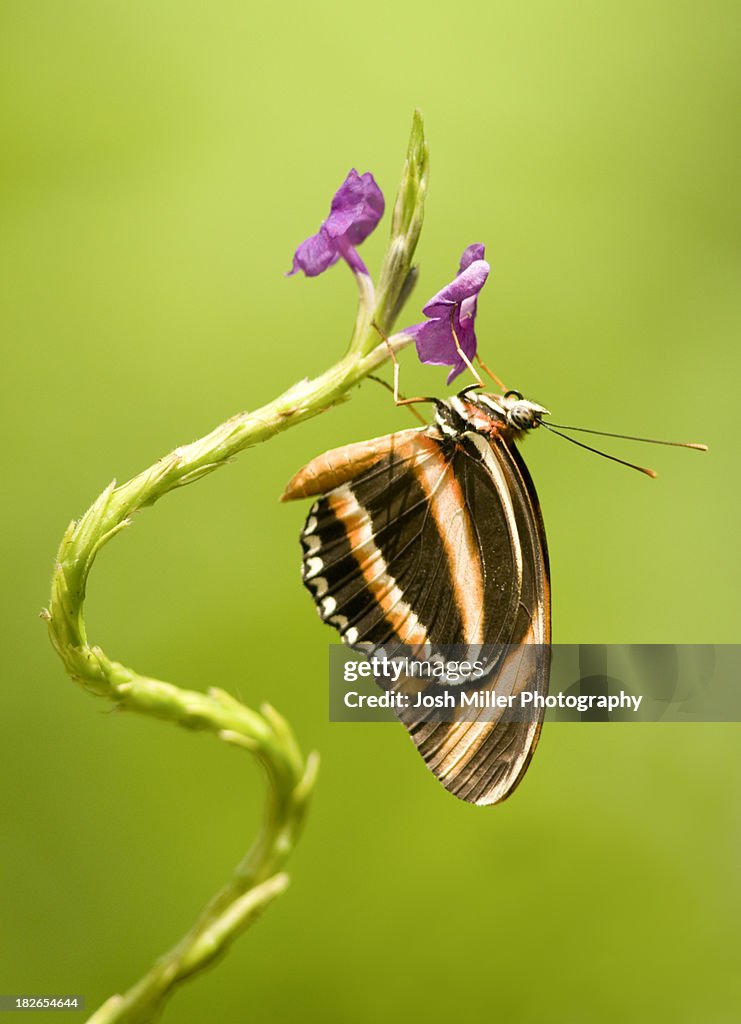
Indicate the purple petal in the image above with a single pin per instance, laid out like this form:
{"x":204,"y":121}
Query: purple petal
{"x":466,"y":285}
{"x":350,"y":255}
{"x":471,"y":253}
{"x":315,"y":255}
{"x":467,"y":309}
{"x":434,"y":341}
{"x":448,"y":338}
{"x":436,"y":344}
{"x":357,"y":207}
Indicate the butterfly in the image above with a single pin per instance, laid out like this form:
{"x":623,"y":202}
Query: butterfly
{"x":431,"y":537}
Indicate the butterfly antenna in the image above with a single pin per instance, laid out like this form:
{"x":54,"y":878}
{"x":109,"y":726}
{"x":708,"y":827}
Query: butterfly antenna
{"x":612,"y":458}
{"x":631,"y":437}
{"x":491,"y":373}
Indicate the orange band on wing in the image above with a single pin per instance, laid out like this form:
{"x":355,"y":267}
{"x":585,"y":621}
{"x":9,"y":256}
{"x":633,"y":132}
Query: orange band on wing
{"x":381,"y":585}
{"x":448,"y":506}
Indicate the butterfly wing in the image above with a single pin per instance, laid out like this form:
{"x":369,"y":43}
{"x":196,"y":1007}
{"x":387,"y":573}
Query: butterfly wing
{"x":425,"y":540}
{"x":483,"y":755}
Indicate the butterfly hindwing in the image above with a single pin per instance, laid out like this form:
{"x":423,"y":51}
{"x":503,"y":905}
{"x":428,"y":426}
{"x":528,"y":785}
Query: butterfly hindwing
{"x":482,"y":756}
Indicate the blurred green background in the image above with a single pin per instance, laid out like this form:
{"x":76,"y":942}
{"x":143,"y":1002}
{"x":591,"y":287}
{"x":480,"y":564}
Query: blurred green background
{"x":160,"y":162}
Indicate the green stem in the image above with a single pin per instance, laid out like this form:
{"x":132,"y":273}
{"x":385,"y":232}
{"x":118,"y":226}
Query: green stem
{"x":258,"y":879}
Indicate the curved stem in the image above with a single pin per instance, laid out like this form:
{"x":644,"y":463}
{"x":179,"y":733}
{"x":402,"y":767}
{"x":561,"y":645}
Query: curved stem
{"x":258,"y":879}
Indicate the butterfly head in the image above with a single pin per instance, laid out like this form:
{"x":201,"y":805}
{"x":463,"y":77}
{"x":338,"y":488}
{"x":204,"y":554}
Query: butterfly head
{"x":521,"y":413}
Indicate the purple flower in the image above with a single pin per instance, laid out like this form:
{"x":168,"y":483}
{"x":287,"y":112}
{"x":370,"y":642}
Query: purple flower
{"x":453,"y":309}
{"x":356,"y":208}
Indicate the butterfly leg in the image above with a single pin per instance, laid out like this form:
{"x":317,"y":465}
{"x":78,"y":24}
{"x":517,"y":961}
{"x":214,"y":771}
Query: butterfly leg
{"x":399,"y":400}
{"x":418,"y":415}
{"x":462,"y":354}
{"x":491,"y":373}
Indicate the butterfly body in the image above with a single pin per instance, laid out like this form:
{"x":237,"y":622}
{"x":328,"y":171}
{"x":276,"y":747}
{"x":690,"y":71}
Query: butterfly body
{"x":433,"y":537}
